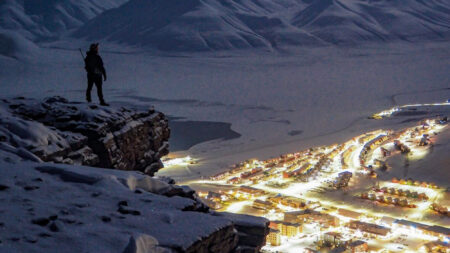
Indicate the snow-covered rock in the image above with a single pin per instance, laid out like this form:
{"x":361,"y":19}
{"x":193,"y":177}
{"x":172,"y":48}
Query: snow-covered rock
{"x":144,"y":244}
{"x":77,"y":133}
{"x":252,"y":230}
{"x":50,"y":207}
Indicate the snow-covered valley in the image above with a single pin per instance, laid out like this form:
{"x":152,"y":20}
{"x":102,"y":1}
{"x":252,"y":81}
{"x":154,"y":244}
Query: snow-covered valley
{"x":276,"y":102}
{"x":237,"y":79}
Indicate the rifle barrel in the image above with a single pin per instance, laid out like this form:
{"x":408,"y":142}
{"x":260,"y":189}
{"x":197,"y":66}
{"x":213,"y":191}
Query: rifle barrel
{"x":82,"y":55}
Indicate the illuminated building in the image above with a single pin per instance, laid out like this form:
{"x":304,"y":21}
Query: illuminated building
{"x":288,"y":201}
{"x":340,"y":250}
{"x":253,"y":173}
{"x":342,"y":179}
{"x":302,"y":170}
{"x":437,"y":247}
{"x":234,"y":180}
{"x":251,"y":190}
{"x":349,"y":213}
{"x":290,"y":229}
{"x":287,"y":229}
{"x":333,"y":239}
{"x":262,"y":204}
{"x":369,"y":228}
{"x":441,"y":232}
{"x":358,"y":246}
{"x":309,"y":215}
{"x":274,"y":237}
{"x":220,"y":175}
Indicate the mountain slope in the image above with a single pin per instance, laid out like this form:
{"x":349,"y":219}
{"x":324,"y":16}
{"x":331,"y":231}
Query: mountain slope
{"x":25,"y":22}
{"x":44,"y":19}
{"x":340,"y":21}
{"x":197,"y":25}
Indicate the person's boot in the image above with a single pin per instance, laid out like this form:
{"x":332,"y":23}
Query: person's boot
{"x":88,"y":99}
{"x":104,"y":103}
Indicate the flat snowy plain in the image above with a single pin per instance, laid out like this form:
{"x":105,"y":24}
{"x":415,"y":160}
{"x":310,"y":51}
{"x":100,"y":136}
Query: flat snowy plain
{"x":278,"y":102}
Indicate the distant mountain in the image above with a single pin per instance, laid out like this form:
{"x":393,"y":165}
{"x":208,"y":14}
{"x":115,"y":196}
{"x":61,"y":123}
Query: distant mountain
{"x":341,"y":21}
{"x":197,"y":25}
{"x":14,"y":45}
{"x":202,"y":25}
{"x":44,"y":19}
{"x":25,"y":22}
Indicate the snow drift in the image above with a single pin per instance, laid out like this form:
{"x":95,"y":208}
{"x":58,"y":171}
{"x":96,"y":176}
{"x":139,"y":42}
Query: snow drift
{"x":199,"y":25}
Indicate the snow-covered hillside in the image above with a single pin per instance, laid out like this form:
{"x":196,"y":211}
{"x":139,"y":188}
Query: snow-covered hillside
{"x":14,"y":45}
{"x":210,"y":25}
{"x":346,"y":21}
{"x":41,"y":20}
{"x":23,"y":23}
{"x":199,"y":25}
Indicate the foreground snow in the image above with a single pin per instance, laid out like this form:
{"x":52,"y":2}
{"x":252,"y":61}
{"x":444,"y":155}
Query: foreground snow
{"x":49,"y":207}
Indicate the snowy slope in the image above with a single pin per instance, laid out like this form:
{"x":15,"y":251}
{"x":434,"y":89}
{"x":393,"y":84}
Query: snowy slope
{"x":45,"y":19}
{"x":338,"y":21}
{"x":13,"y":44}
{"x":196,"y":25}
{"x":55,"y":208}
{"x":22,"y":23}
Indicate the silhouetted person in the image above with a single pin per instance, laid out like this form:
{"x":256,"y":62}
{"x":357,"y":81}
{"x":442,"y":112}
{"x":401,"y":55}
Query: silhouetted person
{"x":95,"y":71}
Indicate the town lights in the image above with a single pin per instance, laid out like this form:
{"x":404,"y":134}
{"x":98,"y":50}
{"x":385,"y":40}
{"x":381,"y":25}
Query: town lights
{"x":181,"y":161}
{"x":300,"y":189}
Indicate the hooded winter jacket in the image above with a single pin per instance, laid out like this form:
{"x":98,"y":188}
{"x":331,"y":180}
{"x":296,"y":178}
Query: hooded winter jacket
{"x":94,"y":64}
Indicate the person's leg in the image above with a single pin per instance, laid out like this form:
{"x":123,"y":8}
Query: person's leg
{"x":99,"y":84}
{"x":89,"y":88}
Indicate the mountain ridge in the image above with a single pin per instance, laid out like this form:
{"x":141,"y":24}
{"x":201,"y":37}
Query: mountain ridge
{"x":210,"y":25}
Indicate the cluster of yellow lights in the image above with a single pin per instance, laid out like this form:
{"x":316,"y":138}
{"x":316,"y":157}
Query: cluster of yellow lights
{"x":181,"y":161}
{"x":389,"y":112}
{"x":302,"y":190}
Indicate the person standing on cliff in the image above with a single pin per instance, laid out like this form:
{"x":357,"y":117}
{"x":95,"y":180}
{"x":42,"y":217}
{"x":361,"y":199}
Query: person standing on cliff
{"x":95,"y":71}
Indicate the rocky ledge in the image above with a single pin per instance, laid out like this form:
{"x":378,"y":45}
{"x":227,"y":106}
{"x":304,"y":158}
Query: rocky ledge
{"x":60,"y":131}
{"x":75,"y":208}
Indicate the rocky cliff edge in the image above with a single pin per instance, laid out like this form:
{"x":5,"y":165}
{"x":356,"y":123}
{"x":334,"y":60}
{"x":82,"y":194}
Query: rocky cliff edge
{"x":51,"y":207}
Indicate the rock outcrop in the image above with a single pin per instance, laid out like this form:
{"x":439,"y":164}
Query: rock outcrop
{"x":78,"y":133}
{"x":83,"y":209}
{"x":252,"y":231}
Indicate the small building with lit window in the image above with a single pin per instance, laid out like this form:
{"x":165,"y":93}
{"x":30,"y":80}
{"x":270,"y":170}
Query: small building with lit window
{"x":274,"y":237}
